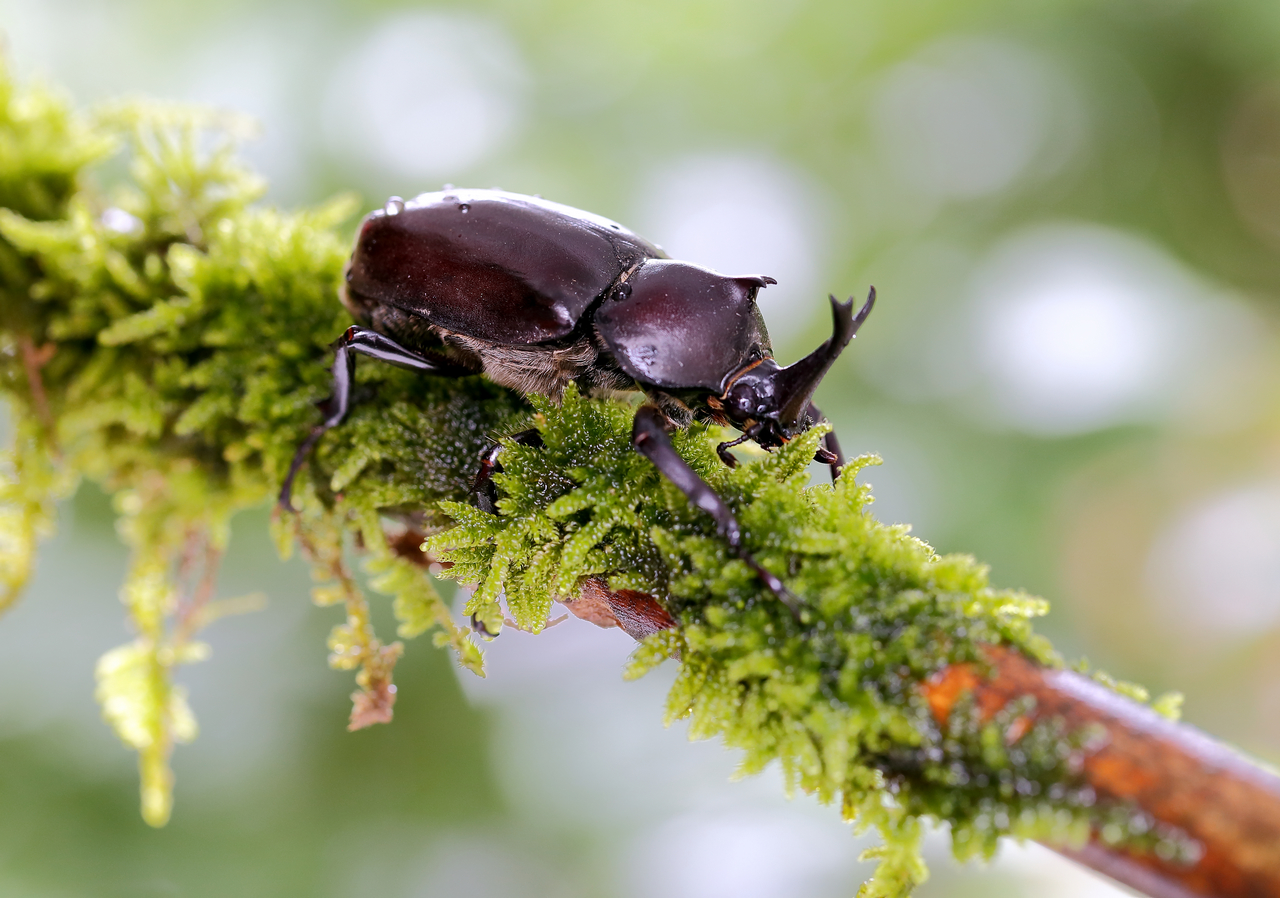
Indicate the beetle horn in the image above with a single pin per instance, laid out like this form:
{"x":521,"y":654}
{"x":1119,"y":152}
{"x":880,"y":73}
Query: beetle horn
{"x":796,"y":383}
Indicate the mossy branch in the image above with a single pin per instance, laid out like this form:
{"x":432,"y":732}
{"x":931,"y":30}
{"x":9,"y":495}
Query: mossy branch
{"x":168,"y":339}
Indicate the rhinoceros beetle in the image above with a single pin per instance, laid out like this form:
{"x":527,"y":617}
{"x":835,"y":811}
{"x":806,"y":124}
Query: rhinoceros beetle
{"x":536,"y":295}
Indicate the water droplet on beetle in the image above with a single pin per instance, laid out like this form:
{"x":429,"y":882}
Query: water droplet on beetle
{"x":464,"y":207}
{"x":394,"y":206}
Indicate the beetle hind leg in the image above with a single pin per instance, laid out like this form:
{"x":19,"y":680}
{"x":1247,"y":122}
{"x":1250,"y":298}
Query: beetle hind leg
{"x":357,"y":341}
{"x":649,"y":437}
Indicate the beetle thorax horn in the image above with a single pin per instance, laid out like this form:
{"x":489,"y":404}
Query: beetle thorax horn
{"x":795,"y":384}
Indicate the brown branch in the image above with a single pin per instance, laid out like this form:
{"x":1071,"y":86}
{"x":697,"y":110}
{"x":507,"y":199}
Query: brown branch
{"x":33,"y":360}
{"x":636,"y":613}
{"x":1173,"y":771}
{"x":1228,"y":805}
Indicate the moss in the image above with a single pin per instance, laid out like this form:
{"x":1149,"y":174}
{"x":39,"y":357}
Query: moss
{"x":167,"y":338}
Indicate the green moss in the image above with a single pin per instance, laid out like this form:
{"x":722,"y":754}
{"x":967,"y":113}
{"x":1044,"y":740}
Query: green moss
{"x":168,"y":339}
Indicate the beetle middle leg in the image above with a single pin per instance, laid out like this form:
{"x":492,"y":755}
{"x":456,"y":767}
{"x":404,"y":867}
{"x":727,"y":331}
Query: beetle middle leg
{"x":484,"y":496}
{"x":358,"y":341}
{"x":650,"y":438}
{"x":830,"y":453}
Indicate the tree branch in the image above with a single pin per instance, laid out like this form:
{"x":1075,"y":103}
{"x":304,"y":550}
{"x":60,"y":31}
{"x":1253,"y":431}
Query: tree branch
{"x":1172,"y":771}
{"x":1184,"y":779}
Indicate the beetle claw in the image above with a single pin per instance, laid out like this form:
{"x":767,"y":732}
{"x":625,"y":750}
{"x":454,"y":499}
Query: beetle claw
{"x":478,"y":626}
{"x":723,"y":450}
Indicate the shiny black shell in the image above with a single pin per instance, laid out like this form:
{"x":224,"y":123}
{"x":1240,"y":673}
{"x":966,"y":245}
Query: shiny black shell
{"x":504,"y":267}
{"x":679,"y":326}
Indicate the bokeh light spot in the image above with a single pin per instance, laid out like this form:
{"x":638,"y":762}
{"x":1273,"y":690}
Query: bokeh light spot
{"x":1217,"y":567}
{"x":1080,"y":327}
{"x":426,"y":95}
{"x":966,"y":117}
{"x":708,"y":855}
{"x":743,"y":215}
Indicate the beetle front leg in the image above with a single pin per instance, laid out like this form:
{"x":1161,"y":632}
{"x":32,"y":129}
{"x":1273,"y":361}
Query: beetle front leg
{"x":357,"y":341}
{"x":650,"y":438}
{"x":830,"y":453}
{"x":723,"y":450}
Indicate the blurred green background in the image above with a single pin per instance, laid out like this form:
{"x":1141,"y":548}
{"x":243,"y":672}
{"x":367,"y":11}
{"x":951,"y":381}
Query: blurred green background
{"x":1071,"y":211}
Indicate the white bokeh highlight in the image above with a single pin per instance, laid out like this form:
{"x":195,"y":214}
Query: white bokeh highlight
{"x":968,"y":117}
{"x":739,"y":855}
{"x":577,"y":746}
{"x":1079,"y":327}
{"x":253,"y":70}
{"x":742,"y":214}
{"x":1217,"y":566}
{"x":1044,"y":873}
{"x":426,"y":95}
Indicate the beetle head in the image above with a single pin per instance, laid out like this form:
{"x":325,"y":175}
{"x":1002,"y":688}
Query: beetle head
{"x":770,"y":403}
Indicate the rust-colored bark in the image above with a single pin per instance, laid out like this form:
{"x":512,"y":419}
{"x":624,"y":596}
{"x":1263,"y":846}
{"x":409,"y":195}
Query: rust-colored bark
{"x":1176,"y":773}
{"x":1173,"y":771}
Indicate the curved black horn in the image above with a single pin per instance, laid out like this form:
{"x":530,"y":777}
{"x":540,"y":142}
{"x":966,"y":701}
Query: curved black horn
{"x":797,"y":383}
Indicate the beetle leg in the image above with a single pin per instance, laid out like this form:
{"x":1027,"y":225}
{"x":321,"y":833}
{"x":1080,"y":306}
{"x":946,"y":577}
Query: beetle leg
{"x":357,"y":341}
{"x":483,"y":494}
{"x":723,"y":450}
{"x":830,"y":453}
{"x":649,"y":436}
